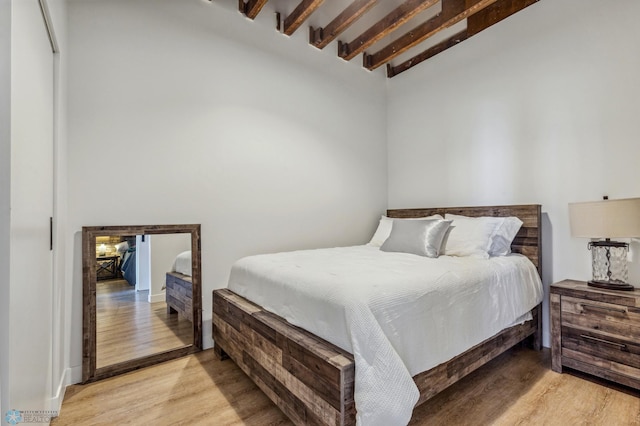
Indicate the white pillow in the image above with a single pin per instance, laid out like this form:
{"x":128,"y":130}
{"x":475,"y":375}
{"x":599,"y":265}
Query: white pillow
{"x":384,"y":228}
{"x":502,"y":239}
{"x":481,"y":236}
{"x":421,"y":237}
{"x":122,"y":247}
{"x":470,"y":236}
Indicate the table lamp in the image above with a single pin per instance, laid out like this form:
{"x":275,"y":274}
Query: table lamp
{"x":601,"y":221}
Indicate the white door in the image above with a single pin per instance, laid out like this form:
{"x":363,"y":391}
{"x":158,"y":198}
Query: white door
{"x":31,"y":207}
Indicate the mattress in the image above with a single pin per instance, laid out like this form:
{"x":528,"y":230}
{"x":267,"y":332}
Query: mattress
{"x":182,"y":263}
{"x":399,"y":314}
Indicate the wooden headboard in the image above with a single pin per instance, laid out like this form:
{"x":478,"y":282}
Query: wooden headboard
{"x":528,"y":240}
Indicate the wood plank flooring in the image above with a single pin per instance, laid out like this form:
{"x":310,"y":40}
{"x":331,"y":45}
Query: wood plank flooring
{"x":129,"y":327}
{"x":517,"y":388}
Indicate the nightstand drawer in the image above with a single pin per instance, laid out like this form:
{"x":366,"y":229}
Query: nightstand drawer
{"x":596,"y":331}
{"x":616,"y":321}
{"x":602,"y":346}
{"x":604,"y":368}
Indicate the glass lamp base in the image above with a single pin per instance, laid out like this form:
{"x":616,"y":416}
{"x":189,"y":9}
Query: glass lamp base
{"x":608,"y":285}
{"x":609,"y":261}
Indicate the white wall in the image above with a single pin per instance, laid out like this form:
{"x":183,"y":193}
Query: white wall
{"x":5,"y":197}
{"x":164,"y":249}
{"x":143,"y":263}
{"x":541,"y":108}
{"x":184,"y":112}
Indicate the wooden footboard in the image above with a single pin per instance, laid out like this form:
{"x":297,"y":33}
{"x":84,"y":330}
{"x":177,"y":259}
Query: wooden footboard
{"x":179,"y":294}
{"x":311,"y":380}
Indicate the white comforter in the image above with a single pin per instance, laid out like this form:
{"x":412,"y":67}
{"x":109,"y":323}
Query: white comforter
{"x":399,"y":314}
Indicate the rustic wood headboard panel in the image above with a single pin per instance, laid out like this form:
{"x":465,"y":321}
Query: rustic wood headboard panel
{"x":528,"y":240}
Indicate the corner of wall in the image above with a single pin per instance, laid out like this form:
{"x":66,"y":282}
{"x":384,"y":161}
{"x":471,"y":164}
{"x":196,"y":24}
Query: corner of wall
{"x":5,"y":196}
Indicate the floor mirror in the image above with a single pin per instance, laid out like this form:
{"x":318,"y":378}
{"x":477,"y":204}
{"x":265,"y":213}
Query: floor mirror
{"x":142,"y":296}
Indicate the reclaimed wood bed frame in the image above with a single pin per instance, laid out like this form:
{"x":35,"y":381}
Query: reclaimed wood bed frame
{"x":179,"y":294}
{"x":312,"y":380}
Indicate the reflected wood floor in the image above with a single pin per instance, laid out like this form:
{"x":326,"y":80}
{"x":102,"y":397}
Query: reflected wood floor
{"x":517,"y":388}
{"x":129,"y":327}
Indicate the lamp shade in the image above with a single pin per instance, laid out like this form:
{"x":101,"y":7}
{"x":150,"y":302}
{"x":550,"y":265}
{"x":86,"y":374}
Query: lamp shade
{"x":606,"y":219}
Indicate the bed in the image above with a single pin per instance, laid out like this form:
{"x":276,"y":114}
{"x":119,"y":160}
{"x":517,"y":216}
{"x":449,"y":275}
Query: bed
{"x":179,"y":290}
{"x":314,"y":381}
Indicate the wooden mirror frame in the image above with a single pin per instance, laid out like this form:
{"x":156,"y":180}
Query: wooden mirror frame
{"x":89,"y":277}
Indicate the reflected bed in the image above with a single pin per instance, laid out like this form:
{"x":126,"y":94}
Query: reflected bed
{"x":179,"y":292}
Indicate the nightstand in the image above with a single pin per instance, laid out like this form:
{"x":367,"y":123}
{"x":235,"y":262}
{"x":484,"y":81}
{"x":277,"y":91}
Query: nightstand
{"x":596,"y":331}
{"x":107,"y":268}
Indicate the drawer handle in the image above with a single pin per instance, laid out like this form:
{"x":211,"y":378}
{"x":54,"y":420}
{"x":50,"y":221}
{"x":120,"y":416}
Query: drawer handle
{"x":622,"y":311}
{"x":621,"y":346}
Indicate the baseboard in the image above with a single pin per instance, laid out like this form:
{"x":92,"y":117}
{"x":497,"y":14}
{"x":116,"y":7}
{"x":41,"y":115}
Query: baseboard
{"x":56,"y":400}
{"x":69,"y":377}
{"x":74,"y":374}
{"x":160,"y":297}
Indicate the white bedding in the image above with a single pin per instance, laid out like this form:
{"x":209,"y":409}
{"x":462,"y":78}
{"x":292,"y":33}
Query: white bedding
{"x":182,"y":264}
{"x":399,"y":314}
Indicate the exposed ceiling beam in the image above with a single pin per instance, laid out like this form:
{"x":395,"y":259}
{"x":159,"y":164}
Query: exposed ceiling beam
{"x":432,"y":51}
{"x":453,"y":11}
{"x":385,"y":26}
{"x":500,"y":10}
{"x":300,"y":14}
{"x":251,"y":8}
{"x":476,"y":23}
{"x":321,"y":37}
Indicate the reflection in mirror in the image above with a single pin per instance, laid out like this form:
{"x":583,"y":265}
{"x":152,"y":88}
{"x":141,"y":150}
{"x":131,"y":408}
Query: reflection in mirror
{"x":142,"y":296}
{"x":136,"y":297}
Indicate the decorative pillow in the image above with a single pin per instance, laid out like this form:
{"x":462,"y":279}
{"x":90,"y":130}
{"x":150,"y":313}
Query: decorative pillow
{"x":504,"y":235}
{"x":421,"y":237}
{"x":384,"y":228}
{"x":470,"y":236}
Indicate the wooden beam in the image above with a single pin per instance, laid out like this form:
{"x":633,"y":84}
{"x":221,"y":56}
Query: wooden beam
{"x":321,"y":37}
{"x":300,"y":14}
{"x":432,"y":51}
{"x":453,"y":11}
{"x":476,"y":23}
{"x":500,"y":10}
{"x":251,"y":8}
{"x":394,"y":20}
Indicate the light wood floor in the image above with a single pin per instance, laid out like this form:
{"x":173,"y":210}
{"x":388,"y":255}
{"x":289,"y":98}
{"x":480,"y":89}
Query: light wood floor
{"x":129,"y":327}
{"x":517,"y":388}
